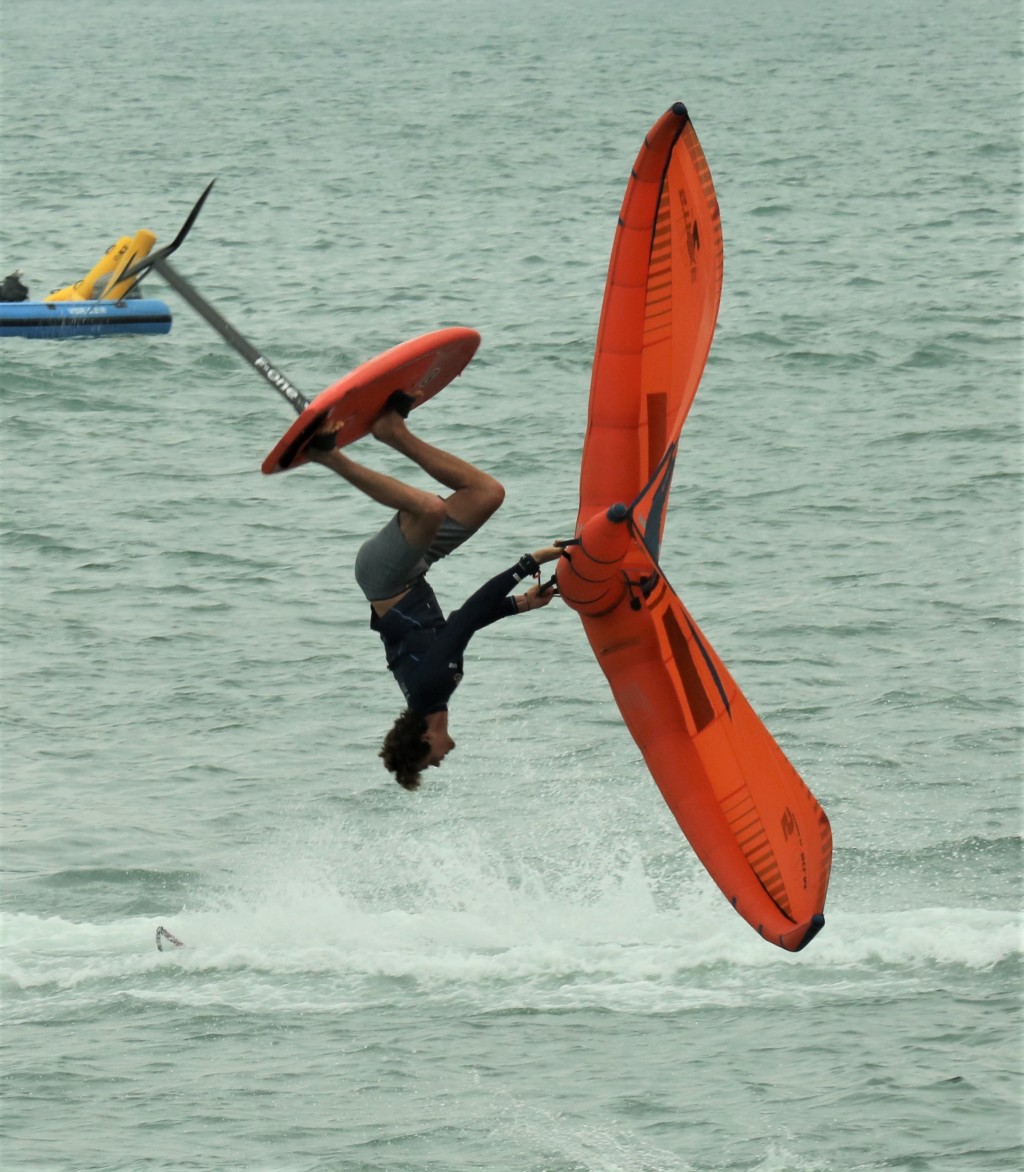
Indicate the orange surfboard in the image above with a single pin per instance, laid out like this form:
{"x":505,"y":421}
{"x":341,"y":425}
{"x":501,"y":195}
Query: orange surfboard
{"x":420,"y":367}
{"x":744,"y":809}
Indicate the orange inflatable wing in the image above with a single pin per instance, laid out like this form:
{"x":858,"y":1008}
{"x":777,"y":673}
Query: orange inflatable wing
{"x":660,"y":307}
{"x":746,"y":812}
{"x":744,"y":809}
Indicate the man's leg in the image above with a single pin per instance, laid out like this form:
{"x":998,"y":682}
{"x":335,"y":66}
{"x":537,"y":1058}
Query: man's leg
{"x":475,"y":494}
{"x":419,"y":513}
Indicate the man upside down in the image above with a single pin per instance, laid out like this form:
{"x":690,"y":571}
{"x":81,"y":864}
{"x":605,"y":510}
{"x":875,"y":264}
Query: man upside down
{"x":424,"y":650}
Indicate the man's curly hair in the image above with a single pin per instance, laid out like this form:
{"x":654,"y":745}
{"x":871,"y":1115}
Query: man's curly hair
{"x":404,"y":748}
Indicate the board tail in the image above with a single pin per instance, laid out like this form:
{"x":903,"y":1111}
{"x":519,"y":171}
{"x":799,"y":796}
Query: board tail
{"x":117,"y":285}
{"x":83,"y":290}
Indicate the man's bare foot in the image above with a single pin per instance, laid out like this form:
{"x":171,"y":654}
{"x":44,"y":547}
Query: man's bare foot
{"x":389,"y":427}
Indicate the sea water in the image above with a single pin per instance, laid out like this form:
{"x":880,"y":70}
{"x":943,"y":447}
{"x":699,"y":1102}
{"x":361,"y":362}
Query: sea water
{"x":521,"y":967}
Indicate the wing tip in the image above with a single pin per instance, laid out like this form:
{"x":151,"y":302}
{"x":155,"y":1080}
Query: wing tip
{"x":814,"y":926}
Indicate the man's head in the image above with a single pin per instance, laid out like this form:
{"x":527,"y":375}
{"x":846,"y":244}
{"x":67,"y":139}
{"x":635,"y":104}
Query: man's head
{"x":415,"y":742}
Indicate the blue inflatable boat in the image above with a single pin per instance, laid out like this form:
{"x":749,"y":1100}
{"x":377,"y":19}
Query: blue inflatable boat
{"x":78,"y":319}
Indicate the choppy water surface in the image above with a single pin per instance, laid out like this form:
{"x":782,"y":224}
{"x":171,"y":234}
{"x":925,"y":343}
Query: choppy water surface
{"x":521,"y":967}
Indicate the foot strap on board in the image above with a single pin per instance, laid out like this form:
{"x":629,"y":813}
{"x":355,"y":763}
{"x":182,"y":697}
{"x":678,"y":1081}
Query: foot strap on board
{"x":401,"y":403}
{"x":323,"y":441}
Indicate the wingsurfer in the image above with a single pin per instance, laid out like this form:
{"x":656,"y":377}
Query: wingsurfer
{"x":424,"y":650}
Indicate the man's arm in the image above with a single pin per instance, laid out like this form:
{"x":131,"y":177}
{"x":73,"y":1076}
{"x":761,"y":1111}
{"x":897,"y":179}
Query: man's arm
{"x":542,"y":593}
{"x":491,"y":601}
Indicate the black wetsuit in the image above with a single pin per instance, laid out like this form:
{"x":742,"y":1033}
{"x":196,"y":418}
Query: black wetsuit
{"x":424,"y":650}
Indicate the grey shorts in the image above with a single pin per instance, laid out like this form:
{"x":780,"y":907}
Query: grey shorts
{"x":387,"y":564}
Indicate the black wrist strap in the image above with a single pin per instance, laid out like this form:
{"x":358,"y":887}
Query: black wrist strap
{"x":526,"y":567}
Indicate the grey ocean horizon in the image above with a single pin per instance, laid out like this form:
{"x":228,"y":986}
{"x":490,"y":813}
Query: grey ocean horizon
{"x":522,"y":967}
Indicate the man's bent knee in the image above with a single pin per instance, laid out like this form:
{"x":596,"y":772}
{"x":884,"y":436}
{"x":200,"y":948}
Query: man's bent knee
{"x":471,"y":506}
{"x":492,"y":494}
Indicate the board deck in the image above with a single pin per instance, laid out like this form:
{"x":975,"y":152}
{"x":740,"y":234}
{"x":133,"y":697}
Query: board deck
{"x":420,"y":367}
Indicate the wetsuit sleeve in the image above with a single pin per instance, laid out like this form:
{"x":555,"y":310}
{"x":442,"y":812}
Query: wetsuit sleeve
{"x":491,"y":602}
{"x":430,"y":681}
